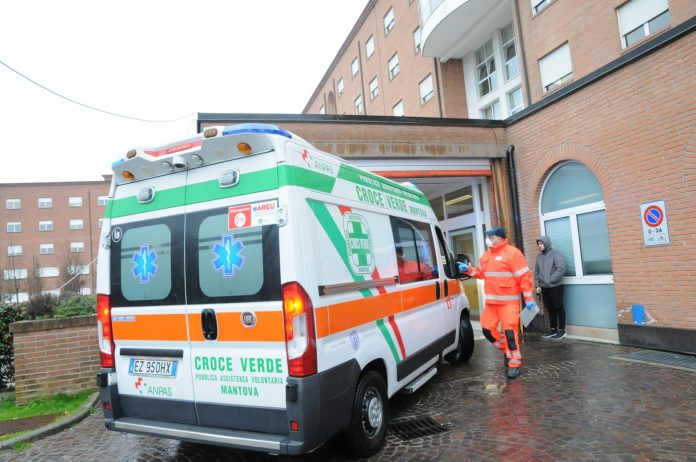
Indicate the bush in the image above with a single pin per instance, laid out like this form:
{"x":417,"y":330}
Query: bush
{"x":41,"y":306}
{"x":78,"y":305}
{"x":8,"y":315}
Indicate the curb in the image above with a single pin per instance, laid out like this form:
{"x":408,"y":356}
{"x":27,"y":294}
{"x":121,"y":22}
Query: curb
{"x":54,"y":427}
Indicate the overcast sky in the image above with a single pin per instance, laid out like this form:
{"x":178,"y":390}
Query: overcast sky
{"x":149,"y":59}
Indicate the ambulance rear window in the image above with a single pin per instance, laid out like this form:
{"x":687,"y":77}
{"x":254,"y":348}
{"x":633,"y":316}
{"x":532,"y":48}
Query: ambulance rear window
{"x":230,"y":265}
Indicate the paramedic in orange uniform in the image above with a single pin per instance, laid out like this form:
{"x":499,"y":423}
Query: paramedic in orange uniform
{"x":506,"y":274}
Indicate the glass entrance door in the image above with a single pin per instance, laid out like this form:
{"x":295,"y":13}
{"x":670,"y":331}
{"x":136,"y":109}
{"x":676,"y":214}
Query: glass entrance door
{"x":464,"y":247}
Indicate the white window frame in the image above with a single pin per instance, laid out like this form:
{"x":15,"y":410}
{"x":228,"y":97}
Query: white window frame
{"x":572,"y":214}
{"x":504,"y":46}
{"x":102,"y":200}
{"x":45,"y":225}
{"x":46,"y":249}
{"x":77,"y":223}
{"x":15,"y":274}
{"x":354,"y":67}
{"x":370,"y":46}
{"x":516,"y":109}
{"x":400,"y":112}
{"x":14,"y":227}
{"x":490,"y":106}
{"x":45,"y":202}
{"x":389,"y":21}
{"x":74,"y":269}
{"x":374,"y":89}
{"x":75,"y":201}
{"x":635,"y":14}
{"x":556,"y":68}
{"x":49,"y":272}
{"x":417,"y":39}
{"x":13,"y":204}
{"x":14,"y":250}
{"x":340,"y":86}
{"x":358,"y":102}
{"x":539,"y":5}
{"x":77,"y":247}
{"x":393,"y":66}
{"x":425,"y":93}
{"x":487,"y":61}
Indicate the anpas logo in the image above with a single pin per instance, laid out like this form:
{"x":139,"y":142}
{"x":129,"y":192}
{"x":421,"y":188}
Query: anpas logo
{"x":140,"y":385}
{"x":358,"y":243}
{"x":315,"y":164}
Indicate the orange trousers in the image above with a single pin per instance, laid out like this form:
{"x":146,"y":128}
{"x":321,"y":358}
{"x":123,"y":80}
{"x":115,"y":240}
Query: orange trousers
{"x":508,"y":316}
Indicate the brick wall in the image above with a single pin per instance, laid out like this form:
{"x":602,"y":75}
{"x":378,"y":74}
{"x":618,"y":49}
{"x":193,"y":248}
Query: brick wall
{"x":54,"y":356}
{"x":635,"y":130}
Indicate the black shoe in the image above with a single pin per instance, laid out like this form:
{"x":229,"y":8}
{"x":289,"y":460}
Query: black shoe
{"x":513,"y":372}
{"x":559,"y":335}
{"x":506,"y":360}
{"x":550,"y":334}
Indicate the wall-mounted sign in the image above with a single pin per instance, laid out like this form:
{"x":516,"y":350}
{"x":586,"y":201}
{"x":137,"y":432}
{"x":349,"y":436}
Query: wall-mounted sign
{"x":654,"y":219}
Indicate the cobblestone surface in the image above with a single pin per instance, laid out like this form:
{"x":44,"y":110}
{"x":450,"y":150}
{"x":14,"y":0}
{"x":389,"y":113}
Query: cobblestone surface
{"x":572,"y":402}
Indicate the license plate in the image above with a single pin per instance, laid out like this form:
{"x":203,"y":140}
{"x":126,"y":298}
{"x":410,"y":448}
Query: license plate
{"x":152,"y":367}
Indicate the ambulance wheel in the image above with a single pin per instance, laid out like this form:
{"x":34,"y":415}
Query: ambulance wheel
{"x":370,"y":416}
{"x":465,"y":345}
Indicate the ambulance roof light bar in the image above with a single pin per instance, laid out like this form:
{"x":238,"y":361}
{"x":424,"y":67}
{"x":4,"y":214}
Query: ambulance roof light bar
{"x":255,"y":128}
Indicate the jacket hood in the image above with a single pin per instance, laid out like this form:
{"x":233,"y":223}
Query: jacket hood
{"x":546,"y":240}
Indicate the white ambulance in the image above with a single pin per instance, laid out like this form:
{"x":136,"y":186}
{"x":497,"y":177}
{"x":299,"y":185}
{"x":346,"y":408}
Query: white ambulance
{"x":256,"y":293}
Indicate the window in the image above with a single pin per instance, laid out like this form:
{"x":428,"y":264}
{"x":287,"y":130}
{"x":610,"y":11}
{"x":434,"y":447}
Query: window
{"x":485,"y":69}
{"x":354,"y":68}
{"x":45,"y":249}
{"x":398,"y":109}
{"x":492,"y":111}
{"x":322,"y":110}
{"x":49,"y":272}
{"x":77,"y":247}
{"x":573,"y":216}
{"x":340,"y":87}
{"x":100,"y":223}
{"x":13,"y":204}
{"x":74,"y":202}
{"x":374,"y":88}
{"x":512,"y":68}
{"x":46,"y":225}
{"x":460,"y":202}
{"x":393,"y":66}
{"x":45,"y":203}
{"x":14,"y":227}
{"x":556,"y":68}
{"x":17,"y":273}
{"x":370,"y":46}
{"x":640,"y":18}
{"x":389,"y":21}
{"x":358,"y":105}
{"x":415,"y":250}
{"x":78,"y":269}
{"x":515,"y":102}
{"x":425,"y":87}
{"x":417,"y":39}
{"x":76,"y":224}
{"x":539,"y":5}
{"x":102,"y":200}
{"x":14,"y":250}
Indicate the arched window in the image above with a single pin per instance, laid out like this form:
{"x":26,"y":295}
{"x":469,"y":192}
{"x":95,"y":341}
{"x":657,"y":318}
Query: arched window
{"x":573,"y":215}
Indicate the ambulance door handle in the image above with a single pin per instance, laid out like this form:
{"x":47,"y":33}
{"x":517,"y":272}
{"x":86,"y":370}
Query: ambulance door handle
{"x":209,"y":324}
{"x":437,"y":290}
{"x":446,"y":286}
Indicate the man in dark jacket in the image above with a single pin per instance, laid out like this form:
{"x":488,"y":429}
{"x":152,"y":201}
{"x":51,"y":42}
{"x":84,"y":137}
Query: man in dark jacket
{"x":548,"y":280}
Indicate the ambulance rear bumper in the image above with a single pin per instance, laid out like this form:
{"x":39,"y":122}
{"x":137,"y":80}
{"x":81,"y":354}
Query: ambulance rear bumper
{"x":277,"y":444}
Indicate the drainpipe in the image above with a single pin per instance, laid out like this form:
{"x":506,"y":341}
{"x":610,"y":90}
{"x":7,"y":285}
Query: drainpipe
{"x":510,"y":154}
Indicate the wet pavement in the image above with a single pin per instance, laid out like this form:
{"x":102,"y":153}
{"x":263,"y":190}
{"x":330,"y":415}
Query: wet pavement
{"x":574,"y":401}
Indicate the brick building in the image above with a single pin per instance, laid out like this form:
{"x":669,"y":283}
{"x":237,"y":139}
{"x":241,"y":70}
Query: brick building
{"x":50,"y":233}
{"x":587,"y":136}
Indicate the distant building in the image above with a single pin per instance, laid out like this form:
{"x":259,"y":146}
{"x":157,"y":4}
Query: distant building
{"x":50,"y":233}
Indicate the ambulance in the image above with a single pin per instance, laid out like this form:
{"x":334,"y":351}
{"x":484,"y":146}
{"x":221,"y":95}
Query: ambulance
{"x":256,"y":293}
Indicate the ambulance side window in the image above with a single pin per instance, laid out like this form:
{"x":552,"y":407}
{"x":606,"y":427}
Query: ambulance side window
{"x":230,"y":265}
{"x":446,"y":257}
{"x":146,"y":263}
{"x":415,"y":250}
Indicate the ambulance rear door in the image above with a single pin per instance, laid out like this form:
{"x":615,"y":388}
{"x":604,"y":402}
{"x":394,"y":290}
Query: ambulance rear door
{"x":235,"y":321}
{"x":147,"y":297}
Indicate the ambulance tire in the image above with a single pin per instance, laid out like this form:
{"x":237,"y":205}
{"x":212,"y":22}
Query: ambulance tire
{"x":369,"y":416}
{"x":465,"y":345}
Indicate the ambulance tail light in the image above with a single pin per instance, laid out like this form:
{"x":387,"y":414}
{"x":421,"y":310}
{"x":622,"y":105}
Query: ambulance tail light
{"x":300,"y":338}
{"x":104,"y":332}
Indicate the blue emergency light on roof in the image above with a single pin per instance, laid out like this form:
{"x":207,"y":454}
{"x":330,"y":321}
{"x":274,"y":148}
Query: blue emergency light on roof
{"x":255,"y":128}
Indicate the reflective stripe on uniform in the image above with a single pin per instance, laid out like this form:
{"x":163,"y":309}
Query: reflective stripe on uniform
{"x":527,"y":294}
{"x":502,"y":297}
{"x":502,"y":274}
{"x":522,"y":271}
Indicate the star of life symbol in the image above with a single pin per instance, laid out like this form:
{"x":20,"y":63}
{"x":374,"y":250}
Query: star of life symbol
{"x":144,"y":264}
{"x":228,"y":256}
